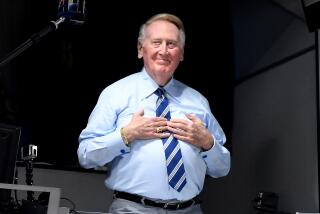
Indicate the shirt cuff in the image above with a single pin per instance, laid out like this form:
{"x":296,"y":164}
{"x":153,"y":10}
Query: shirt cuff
{"x":214,"y":143}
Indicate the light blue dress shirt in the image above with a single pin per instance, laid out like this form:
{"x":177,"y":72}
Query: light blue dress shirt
{"x":141,"y":167}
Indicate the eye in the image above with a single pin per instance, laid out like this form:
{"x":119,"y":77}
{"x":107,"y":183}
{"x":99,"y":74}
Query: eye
{"x":172,"y":44}
{"x":156,"y":43}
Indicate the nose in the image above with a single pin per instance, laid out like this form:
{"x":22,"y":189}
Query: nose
{"x":164,"y":48}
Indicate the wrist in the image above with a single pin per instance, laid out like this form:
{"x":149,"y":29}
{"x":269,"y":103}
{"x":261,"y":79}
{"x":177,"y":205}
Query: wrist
{"x":124,"y":136}
{"x":210,"y":143}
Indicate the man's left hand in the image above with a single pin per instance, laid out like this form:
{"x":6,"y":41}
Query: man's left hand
{"x":191,"y":131}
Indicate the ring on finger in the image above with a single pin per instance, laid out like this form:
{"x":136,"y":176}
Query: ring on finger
{"x":158,"y":130}
{"x":200,"y":123}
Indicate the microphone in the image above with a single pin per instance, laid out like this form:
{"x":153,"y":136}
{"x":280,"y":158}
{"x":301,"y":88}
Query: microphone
{"x":73,"y":11}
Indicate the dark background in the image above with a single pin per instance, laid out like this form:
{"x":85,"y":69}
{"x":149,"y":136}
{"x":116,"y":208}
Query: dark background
{"x":50,"y":89}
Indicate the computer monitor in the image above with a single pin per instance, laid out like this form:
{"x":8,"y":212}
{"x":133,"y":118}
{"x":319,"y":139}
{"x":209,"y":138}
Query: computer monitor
{"x":9,"y":146}
{"x":53,"y":201}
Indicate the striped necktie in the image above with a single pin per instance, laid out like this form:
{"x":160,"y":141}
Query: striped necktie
{"x":175,"y":167}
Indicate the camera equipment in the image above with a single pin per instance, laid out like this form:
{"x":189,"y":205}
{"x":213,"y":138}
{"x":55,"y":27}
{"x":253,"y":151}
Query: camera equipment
{"x":28,"y":154}
{"x":266,"y":201}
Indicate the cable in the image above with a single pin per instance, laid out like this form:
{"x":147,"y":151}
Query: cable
{"x":73,"y":209}
{"x":70,"y":201}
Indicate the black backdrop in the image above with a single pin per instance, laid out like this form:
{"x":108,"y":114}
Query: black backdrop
{"x":51,"y":88}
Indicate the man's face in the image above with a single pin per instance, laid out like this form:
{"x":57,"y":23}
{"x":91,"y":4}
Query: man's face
{"x":161,"y":50}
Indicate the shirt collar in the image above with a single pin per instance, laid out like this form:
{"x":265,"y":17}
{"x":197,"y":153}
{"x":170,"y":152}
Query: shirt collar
{"x":171,"y":89}
{"x":150,"y":86}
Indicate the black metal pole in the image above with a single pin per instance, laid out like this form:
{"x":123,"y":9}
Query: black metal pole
{"x":29,"y":178}
{"x":35,"y":38}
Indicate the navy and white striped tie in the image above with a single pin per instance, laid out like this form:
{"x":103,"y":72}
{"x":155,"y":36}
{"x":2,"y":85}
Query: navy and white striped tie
{"x":175,"y":167}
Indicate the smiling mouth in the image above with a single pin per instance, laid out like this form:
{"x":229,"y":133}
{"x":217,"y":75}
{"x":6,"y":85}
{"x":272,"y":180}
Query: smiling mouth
{"x":163,"y":60}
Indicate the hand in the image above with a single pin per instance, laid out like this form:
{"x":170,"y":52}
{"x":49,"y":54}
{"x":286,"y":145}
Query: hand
{"x":193,"y":131}
{"x":145,"y":127}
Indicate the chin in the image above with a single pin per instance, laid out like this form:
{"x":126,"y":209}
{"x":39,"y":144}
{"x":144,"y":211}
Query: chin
{"x":164,"y":69}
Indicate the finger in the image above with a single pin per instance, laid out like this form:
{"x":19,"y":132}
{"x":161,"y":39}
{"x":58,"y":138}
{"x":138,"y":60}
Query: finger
{"x":181,"y":121}
{"x":160,"y":123}
{"x":177,"y":130}
{"x":162,"y":135}
{"x":177,"y":125}
{"x":156,"y":119}
{"x":194,"y":119}
{"x":151,"y":121}
{"x":182,"y":138}
{"x":161,"y":129}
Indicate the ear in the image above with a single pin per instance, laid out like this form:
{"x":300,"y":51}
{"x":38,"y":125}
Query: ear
{"x":140,"y":50}
{"x":182,"y":56}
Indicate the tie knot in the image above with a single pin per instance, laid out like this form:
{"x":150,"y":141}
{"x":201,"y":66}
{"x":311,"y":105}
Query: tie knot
{"x":159,"y":92}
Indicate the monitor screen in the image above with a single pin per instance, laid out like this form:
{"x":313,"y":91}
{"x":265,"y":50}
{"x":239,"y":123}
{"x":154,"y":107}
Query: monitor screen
{"x":33,"y":207}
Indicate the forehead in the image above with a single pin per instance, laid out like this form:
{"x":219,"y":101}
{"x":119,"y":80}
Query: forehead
{"x":162,"y":29}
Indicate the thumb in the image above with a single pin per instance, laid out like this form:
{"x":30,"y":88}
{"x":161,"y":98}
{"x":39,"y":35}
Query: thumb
{"x":192,"y":117}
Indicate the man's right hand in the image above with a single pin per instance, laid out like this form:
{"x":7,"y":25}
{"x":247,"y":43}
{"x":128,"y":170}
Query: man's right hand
{"x":141,"y":127}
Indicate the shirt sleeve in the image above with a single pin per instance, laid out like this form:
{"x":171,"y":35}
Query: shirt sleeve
{"x":100,"y":142}
{"x":217,"y":158}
